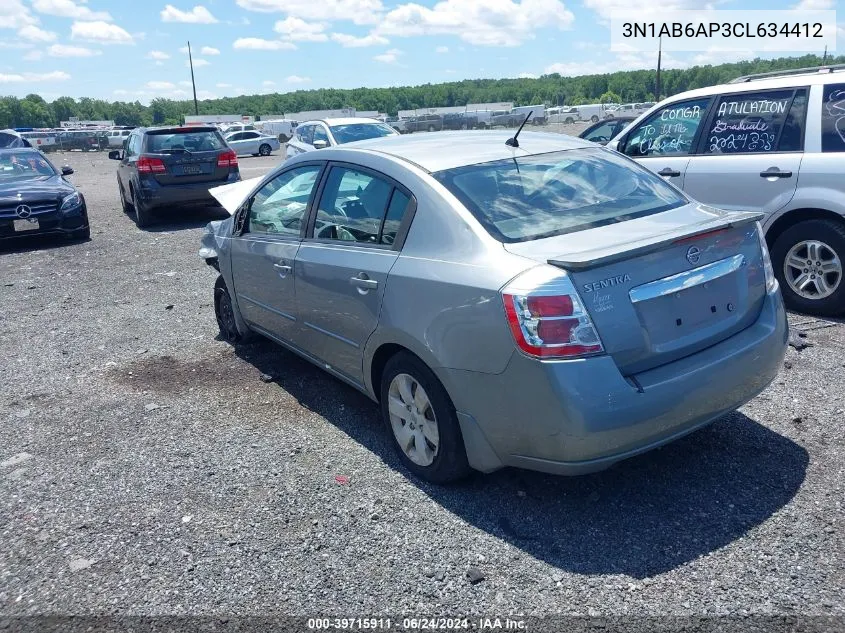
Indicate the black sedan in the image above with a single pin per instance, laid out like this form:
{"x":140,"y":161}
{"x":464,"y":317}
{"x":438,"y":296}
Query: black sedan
{"x":603,"y":131}
{"x":36,"y":199}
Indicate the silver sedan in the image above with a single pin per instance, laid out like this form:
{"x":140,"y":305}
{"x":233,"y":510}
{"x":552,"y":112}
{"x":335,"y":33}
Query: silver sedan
{"x":252,"y":143}
{"x":544,"y":303}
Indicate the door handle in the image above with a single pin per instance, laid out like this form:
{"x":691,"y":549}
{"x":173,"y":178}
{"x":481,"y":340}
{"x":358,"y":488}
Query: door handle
{"x":774,"y":172}
{"x":283,"y":269}
{"x":669,"y":172}
{"x":363,"y":282}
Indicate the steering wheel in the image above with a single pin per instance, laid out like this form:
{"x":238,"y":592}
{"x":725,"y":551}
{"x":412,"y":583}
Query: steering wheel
{"x":600,"y":139}
{"x":335,"y":232}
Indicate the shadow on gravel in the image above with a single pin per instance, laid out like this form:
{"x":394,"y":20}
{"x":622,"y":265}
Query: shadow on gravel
{"x":167,"y":220}
{"x":30,"y":243}
{"x":643,"y":517}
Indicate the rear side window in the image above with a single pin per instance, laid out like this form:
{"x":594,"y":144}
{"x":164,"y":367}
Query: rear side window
{"x":833,"y":118}
{"x":603,"y":133}
{"x":670,"y":131}
{"x":754,"y":123}
{"x":360,"y":207}
{"x":166,"y":142}
{"x":540,"y":196}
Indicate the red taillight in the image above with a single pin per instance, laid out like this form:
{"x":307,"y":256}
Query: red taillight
{"x":550,"y":305}
{"x":227,"y":159}
{"x":150,"y":165}
{"x":546,"y":316}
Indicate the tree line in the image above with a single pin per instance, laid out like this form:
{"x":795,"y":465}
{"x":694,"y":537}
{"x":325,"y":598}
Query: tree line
{"x":552,"y":89}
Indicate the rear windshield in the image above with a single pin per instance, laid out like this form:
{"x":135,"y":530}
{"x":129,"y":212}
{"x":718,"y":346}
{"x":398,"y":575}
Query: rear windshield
{"x":181,"y":141}
{"x":360,"y":132}
{"x":539,"y":196}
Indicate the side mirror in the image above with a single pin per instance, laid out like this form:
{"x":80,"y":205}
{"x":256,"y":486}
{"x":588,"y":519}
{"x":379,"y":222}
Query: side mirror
{"x":614,"y":145}
{"x":115,"y":154}
{"x":67,"y":170}
{"x":320,"y":144}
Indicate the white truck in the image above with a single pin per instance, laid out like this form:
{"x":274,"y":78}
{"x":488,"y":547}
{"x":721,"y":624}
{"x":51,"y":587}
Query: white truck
{"x":280,"y":128}
{"x":538,"y":113}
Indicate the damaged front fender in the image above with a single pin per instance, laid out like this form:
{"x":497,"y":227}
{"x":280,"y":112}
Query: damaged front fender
{"x":213,"y":241}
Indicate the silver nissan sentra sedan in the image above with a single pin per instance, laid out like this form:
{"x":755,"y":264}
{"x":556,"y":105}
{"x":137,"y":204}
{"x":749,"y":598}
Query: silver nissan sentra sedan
{"x":551,"y":306}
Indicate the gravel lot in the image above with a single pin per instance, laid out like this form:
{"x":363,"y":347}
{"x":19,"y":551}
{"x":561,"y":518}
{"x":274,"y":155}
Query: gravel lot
{"x":146,"y":469}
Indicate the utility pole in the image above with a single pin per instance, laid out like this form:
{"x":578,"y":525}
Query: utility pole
{"x":194,"y":83}
{"x":659,"y":55}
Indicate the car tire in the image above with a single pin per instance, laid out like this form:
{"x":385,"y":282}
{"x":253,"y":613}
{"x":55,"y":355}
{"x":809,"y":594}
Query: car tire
{"x":569,"y":121}
{"x":431,"y":128}
{"x":127,"y":208}
{"x":594,"y":119}
{"x":143,"y":216}
{"x":283,"y":138}
{"x":224,"y":312}
{"x":448,"y":461}
{"x":264,"y":149}
{"x":829,"y":236}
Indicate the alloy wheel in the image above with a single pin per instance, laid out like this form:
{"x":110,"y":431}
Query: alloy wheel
{"x":812,"y":269}
{"x":412,"y":420}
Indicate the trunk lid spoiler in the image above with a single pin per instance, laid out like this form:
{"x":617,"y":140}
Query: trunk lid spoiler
{"x":610,"y":253}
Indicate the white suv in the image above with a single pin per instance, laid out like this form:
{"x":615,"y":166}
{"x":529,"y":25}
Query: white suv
{"x":773,"y":143}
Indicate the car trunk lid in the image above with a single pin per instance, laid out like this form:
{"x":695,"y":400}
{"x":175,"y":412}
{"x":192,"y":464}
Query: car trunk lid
{"x":664,"y":286}
{"x":189,"y":156}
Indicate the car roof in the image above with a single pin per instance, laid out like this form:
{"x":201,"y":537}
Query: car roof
{"x":436,"y":151}
{"x":340,"y":121}
{"x":179,"y":128}
{"x":19,"y":150}
{"x":810,"y":78}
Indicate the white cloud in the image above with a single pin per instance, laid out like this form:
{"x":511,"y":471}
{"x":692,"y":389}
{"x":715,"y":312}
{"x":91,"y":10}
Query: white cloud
{"x":69,"y":9}
{"x":357,"y":11}
{"x":606,"y":7}
{"x":198,"y":15}
{"x":350,"y":41}
{"x":622,"y":61}
{"x":121,"y":92}
{"x":389,"y":57}
{"x":300,"y":30}
{"x":186,"y":83}
{"x":158,"y":55}
{"x":480,"y":22}
{"x":296,"y":79}
{"x":257,"y":44}
{"x":160,"y":85}
{"x":56,"y":75}
{"x":34,"y":34}
{"x":33,"y":56}
{"x":441,"y":49}
{"x":209,"y":50}
{"x":527,"y":76}
{"x":14,"y":15}
{"x":101,"y":32}
{"x":813,"y":5}
{"x":267,"y":83}
{"x":61,"y":50}
{"x":223,"y":85}
{"x":198,"y":62}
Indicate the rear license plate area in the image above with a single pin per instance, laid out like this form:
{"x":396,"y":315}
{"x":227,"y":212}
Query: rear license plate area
{"x":29,"y":224}
{"x":191,"y":170}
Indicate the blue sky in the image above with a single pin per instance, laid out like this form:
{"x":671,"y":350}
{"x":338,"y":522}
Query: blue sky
{"x":131,"y":49}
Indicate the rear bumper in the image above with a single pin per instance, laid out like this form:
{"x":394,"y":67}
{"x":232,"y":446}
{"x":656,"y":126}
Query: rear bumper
{"x":574,"y":417}
{"x":153,"y":194}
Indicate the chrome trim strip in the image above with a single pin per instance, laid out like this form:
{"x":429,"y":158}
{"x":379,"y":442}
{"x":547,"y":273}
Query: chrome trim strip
{"x":268,"y":308}
{"x":686,"y":279}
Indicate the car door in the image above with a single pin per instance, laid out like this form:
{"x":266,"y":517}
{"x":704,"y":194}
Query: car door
{"x":234,"y":141}
{"x":342,"y":266}
{"x":126,"y":168}
{"x":302,"y":141}
{"x":250,"y":142}
{"x":664,"y":141}
{"x":321,"y":134}
{"x":750,"y":156}
{"x":264,"y":249}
